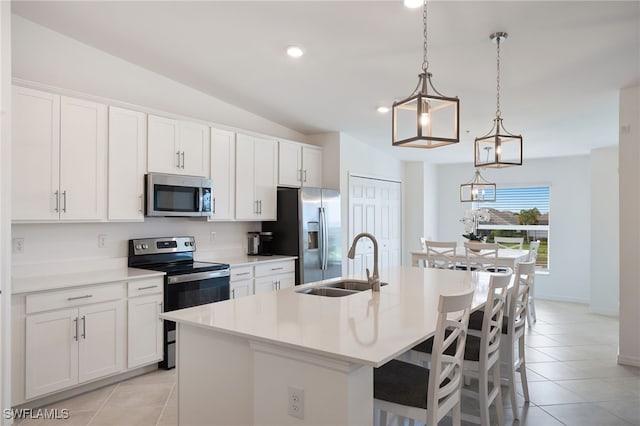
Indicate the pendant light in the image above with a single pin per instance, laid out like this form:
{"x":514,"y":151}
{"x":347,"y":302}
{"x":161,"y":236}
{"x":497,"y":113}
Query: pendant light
{"x":424,"y":119}
{"x":477,"y":189}
{"x":498,"y":148}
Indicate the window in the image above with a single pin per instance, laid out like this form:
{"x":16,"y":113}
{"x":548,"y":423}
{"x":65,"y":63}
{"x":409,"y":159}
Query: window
{"x":520,"y":212}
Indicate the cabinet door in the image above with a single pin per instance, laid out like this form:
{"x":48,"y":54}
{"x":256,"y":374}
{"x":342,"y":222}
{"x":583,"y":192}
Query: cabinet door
{"x":266,"y":166}
{"x":246,"y":202}
{"x":264,"y":285}
{"x":35,"y":155}
{"x":312,"y":166}
{"x":101,"y":339}
{"x":127,"y":159}
{"x":194,"y":155}
{"x":223,"y":155}
{"x":51,"y":349}
{"x":83,"y":160}
{"x":241,"y":288}
{"x":286,"y":281}
{"x":289,"y":164}
{"x":163,"y":155}
{"x":144,"y":330}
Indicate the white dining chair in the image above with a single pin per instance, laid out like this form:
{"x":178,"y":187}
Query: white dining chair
{"x":534,"y":246}
{"x":509,"y":242}
{"x":481,"y":354}
{"x":481,"y":256}
{"x":427,"y":395}
{"x":441,"y":255}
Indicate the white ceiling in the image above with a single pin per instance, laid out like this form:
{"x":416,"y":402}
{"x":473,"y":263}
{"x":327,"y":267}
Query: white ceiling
{"x":562,"y":64}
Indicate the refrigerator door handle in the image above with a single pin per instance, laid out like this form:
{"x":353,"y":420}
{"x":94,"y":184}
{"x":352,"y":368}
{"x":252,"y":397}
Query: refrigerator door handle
{"x":324,"y":239}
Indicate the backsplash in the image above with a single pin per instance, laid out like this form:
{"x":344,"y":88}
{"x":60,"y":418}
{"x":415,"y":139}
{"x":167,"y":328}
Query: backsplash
{"x":60,"y":243}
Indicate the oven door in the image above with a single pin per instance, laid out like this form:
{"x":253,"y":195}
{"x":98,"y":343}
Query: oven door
{"x":185,"y":291}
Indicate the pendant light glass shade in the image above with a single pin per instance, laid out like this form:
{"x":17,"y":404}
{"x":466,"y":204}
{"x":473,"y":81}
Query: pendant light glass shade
{"x":426,"y":118}
{"x":477,"y":189}
{"x":498,"y":148}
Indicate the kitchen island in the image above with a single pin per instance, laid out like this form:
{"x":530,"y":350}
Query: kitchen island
{"x":239,"y":360}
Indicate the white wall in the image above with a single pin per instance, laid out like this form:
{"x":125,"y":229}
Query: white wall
{"x":629,"y":347}
{"x":570,"y":217}
{"x":605,"y":230}
{"x":420,"y":207}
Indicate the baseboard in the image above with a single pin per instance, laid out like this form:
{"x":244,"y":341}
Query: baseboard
{"x":633,"y":361}
{"x":561,"y":299}
{"x":604,"y":311}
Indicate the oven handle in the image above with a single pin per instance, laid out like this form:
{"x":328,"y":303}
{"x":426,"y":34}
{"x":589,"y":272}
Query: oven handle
{"x":175,"y":279}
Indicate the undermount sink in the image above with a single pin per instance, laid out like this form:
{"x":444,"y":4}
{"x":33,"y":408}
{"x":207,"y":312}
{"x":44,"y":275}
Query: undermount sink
{"x":354,"y":285}
{"x":327,"y":291}
{"x":338,"y":288}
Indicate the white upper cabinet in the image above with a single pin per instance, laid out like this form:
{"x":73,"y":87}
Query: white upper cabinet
{"x":127,"y":160}
{"x":256,"y":183}
{"x":223,"y":159}
{"x":177,"y":147}
{"x":299,"y":165}
{"x":59,"y":157}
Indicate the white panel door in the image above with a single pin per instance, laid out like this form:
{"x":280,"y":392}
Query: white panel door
{"x":144,"y":330}
{"x":35,"y":155}
{"x":241,"y":288}
{"x":194,"y":140}
{"x":83,"y":160}
{"x":127,"y":161}
{"x":101,"y":340}
{"x":223,"y":170}
{"x":266,"y":164}
{"x":289,"y":164}
{"x":312,"y":166}
{"x":51,"y":350}
{"x":246,"y":202}
{"x":163,"y":154}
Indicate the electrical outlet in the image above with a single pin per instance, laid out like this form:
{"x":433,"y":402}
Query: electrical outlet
{"x":212,"y":236}
{"x":18,"y":245}
{"x":296,"y":402}
{"x":102,"y":240}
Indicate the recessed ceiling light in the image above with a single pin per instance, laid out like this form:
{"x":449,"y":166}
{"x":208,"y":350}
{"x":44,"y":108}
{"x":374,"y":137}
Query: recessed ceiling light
{"x":383,"y":109}
{"x":412,"y":4}
{"x":295,"y":51}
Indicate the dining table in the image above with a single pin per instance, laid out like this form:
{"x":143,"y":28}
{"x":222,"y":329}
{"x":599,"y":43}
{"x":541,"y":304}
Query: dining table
{"x":506,"y":257}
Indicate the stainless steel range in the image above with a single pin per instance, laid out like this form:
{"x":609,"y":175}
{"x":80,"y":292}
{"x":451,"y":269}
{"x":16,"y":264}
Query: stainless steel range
{"x":187,"y":282}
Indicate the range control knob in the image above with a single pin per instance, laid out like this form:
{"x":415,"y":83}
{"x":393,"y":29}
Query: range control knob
{"x":186,"y":243}
{"x":145,"y":246}
{"x":138,"y":246}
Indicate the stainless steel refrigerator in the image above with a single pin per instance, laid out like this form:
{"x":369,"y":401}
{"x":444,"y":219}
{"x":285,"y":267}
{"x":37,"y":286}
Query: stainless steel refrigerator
{"x":308,"y":226}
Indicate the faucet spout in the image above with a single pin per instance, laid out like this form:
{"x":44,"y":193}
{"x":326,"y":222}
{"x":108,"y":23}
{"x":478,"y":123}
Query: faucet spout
{"x":373,"y":280}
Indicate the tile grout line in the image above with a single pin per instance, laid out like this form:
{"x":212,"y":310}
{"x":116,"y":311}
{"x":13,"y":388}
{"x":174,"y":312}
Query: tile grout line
{"x":103,"y":403}
{"x":164,"y":407}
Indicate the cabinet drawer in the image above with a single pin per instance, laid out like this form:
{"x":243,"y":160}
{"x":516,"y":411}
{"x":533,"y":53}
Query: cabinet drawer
{"x":271,"y":268}
{"x":145,"y":287}
{"x":239,"y":273}
{"x":74,"y":297}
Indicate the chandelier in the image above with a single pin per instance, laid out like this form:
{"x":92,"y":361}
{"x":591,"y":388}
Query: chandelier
{"x":477,"y":189}
{"x":426,"y":118}
{"x":498,"y":148}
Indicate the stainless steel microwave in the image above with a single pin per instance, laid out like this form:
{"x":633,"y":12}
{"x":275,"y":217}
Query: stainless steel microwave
{"x":176,"y":195}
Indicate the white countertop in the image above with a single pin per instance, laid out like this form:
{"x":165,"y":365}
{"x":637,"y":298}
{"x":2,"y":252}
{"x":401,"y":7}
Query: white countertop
{"x":366,"y":328}
{"x":244,"y":260}
{"x":33,"y":283}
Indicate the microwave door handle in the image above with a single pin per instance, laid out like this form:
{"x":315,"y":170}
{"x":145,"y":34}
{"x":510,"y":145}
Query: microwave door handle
{"x":200,"y":199}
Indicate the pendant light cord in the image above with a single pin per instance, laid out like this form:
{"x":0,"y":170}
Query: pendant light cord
{"x":425,"y":62}
{"x":498,"y":112}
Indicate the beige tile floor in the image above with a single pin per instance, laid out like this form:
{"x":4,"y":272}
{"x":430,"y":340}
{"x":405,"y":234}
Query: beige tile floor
{"x":572,"y":372}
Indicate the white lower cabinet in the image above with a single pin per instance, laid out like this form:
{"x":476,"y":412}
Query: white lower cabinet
{"x":241,"y":281}
{"x":144,"y":341}
{"x":271,"y":276}
{"x":70,"y":346}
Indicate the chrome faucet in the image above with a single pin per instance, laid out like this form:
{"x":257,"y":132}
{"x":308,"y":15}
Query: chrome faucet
{"x":373,"y":280}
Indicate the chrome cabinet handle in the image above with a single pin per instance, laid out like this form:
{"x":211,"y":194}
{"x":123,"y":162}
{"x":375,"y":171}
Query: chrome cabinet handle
{"x":64,"y":201}
{"x":256,"y":210}
{"x":259,"y":206}
{"x":160,"y":306}
{"x":300,"y":175}
{"x":147,"y":287}
{"x":213,"y":209}
{"x":277,"y":269}
{"x":305,"y":176}
{"x":233,"y":293}
{"x":140,"y":197}
{"x":75,"y":322}
{"x":86,"y":296}
{"x":84,"y":327}
{"x":57,"y":194}
{"x":182,"y":159}
{"x":178,"y":162}
{"x":243,"y":273}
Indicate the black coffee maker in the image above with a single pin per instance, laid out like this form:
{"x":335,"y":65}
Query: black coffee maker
{"x":259,"y":243}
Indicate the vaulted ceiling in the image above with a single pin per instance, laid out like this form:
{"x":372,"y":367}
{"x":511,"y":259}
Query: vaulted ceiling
{"x":562,"y":64}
